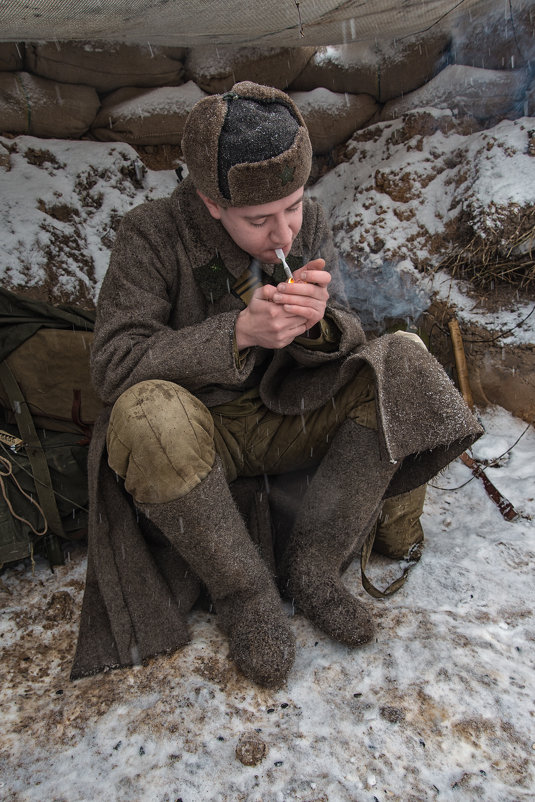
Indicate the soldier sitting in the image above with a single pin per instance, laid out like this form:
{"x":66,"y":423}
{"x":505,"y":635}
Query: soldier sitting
{"x":213,"y":366}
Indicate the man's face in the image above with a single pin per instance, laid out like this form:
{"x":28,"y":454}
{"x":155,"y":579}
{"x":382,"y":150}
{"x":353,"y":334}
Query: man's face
{"x":258,"y":230}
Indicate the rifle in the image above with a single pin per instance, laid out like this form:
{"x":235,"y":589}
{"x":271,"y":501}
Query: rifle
{"x":505,"y":506}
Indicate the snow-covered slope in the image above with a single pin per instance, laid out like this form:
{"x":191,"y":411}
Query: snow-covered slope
{"x":439,"y":707}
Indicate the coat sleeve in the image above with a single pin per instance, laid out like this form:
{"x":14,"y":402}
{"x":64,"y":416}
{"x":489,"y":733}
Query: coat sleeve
{"x":133,"y":339}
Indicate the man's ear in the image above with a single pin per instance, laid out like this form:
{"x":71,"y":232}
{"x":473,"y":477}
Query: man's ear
{"x":213,"y":207}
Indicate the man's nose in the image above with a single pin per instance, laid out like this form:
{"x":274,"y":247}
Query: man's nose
{"x":281,"y":233}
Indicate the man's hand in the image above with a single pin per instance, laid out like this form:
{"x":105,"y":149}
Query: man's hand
{"x":277,"y":315}
{"x":307,"y":296}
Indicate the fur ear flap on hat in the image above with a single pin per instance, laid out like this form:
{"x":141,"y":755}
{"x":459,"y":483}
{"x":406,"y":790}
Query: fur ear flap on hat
{"x":248,"y":146}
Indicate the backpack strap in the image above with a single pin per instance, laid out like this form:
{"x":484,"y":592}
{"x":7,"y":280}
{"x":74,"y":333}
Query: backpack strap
{"x":6,"y":470}
{"x":34,"y":450}
{"x":414,"y":556}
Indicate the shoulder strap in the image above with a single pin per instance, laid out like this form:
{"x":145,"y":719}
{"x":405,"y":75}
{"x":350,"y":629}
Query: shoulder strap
{"x":414,"y":557}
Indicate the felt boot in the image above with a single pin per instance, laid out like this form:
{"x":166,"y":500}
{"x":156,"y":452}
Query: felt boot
{"x":338,"y":509}
{"x":207,"y":530}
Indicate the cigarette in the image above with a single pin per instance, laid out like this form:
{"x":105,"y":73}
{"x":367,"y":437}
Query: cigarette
{"x":280,"y":254}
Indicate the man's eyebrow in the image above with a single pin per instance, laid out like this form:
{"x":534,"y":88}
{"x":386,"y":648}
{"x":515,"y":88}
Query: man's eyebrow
{"x":256,"y":216}
{"x":261,"y":216}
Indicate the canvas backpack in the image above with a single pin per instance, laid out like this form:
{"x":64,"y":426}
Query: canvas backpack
{"x":47,"y":409}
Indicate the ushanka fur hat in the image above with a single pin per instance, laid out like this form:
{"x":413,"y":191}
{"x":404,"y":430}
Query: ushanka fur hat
{"x":248,"y":146}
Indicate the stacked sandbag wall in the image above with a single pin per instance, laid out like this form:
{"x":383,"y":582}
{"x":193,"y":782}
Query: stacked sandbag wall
{"x":142,"y":94}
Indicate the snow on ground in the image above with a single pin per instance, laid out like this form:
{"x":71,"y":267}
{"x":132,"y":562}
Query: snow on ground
{"x":515,"y":320}
{"x":421,"y":187}
{"x":61,"y":202}
{"x":407,"y":180}
{"x":439,"y":707}
{"x":60,"y":205}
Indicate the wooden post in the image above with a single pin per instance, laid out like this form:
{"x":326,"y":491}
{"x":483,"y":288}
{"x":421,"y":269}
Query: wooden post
{"x":460,"y":362}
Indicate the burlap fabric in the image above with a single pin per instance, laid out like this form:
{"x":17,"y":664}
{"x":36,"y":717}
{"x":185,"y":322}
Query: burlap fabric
{"x":11,"y":56}
{"x":60,"y":397}
{"x":380,"y":68}
{"x":267,"y":22}
{"x":332,"y":117}
{"x":216,"y":69}
{"x":37,"y":106}
{"x":104,"y":66}
{"x":146,"y":116}
{"x":484,"y":94}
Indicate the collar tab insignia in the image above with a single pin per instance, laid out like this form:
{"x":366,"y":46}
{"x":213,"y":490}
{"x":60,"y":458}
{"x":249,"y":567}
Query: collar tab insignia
{"x":214,"y":279}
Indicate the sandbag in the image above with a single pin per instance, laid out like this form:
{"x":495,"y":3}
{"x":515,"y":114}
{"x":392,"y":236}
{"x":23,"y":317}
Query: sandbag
{"x":11,"y":56}
{"x":176,"y":53}
{"x":484,"y":94}
{"x":104,"y":65}
{"x":52,"y":370}
{"x":46,"y":351}
{"x":500,"y":41}
{"x":341,"y":68}
{"x":37,"y":106}
{"x":216,"y":69}
{"x":44,"y":378}
{"x":332,"y":117}
{"x":382,"y":69}
{"x":146,"y":117}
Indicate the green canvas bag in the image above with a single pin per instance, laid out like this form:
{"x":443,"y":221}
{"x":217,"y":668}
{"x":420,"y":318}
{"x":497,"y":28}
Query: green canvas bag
{"x":48,"y":403}
{"x":23,"y":524}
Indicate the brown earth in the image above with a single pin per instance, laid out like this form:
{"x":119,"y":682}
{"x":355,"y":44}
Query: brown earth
{"x":499,"y":373}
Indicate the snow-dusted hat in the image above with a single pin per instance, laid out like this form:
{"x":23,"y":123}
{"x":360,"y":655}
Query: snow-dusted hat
{"x":248,"y":146}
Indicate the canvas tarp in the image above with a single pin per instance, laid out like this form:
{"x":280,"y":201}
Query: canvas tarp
{"x":266,"y":23}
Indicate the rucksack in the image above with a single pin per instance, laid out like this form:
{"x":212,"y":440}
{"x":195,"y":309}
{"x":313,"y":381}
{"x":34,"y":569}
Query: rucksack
{"x":47,"y":409}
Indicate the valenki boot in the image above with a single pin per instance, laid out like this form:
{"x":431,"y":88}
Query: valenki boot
{"x":207,"y":530}
{"x":338,"y":509}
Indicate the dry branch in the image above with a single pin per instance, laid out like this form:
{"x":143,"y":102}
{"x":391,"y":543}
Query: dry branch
{"x":488,"y":260}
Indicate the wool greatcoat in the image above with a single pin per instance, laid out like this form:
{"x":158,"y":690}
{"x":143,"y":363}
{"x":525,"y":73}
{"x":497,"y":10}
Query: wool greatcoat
{"x":166,"y":310}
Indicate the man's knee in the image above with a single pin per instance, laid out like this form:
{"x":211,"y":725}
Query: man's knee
{"x":160,"y":440}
